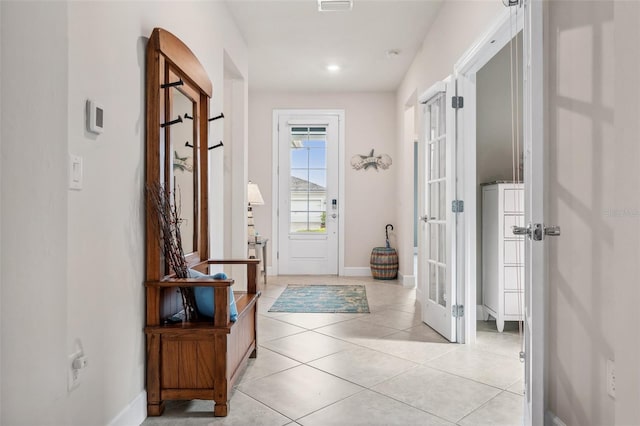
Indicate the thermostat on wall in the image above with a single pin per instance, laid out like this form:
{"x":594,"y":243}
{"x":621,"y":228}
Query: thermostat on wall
{"x":95,"y":117}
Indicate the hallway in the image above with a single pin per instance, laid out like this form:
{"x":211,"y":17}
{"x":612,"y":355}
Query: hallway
{"x":382,"y":368}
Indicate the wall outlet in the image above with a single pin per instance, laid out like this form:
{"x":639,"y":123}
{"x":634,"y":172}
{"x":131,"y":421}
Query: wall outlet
{"x":611,"y":378}
{"x":73,"y":374}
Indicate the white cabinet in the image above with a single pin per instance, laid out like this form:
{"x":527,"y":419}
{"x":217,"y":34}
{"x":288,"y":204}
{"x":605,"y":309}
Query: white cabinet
{"x":502,"y":252}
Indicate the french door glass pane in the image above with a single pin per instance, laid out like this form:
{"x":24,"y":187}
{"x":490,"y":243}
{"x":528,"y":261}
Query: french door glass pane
{"x":442,"y":152}
{"x":433,"y":285}
{"x":308,"y":184}
{"x":433,"y":241}
{"x":441,"y":243}
{"x":433,"y":172}
{"x":442,"y":286}
{"x":442,"y":200}
{"x":433,"y":201}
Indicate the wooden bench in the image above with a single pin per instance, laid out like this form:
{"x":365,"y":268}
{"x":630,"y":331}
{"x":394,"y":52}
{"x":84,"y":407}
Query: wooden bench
{"x":201,"y":359}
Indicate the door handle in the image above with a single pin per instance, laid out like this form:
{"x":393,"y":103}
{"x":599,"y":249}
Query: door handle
{"x":521,"y":230}
{"x":426,"y":218}
{"x":538,"y":232}
{"x":552,"y":231}
{"x":334,"y":215}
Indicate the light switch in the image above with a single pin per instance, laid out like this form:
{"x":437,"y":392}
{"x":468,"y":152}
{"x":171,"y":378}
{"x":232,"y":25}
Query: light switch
{"x":75,"y":172}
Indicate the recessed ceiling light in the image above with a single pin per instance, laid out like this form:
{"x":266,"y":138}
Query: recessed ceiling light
{"x":334,"y":5}
{"x":333,"y":68}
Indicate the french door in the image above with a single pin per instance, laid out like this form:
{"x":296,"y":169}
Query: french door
{"x":308,"y":194}
{"x":436,"y":189}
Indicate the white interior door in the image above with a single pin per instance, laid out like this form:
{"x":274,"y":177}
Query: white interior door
{"x":308,"y":177}
{"x":436,"y":186}
{"x":534,"y":189}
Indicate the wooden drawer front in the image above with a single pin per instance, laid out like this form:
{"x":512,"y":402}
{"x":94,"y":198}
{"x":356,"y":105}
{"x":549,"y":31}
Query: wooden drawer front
{"x":511,"y":276}
{"x":514,"y":200}
{"x":514,"y":252}
{"x":187,"y":363}
{"x":511,"y":220}
{"x":511,"y":301}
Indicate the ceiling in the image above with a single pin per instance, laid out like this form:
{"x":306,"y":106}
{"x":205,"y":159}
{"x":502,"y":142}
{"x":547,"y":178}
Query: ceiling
{"x":291,"y":43}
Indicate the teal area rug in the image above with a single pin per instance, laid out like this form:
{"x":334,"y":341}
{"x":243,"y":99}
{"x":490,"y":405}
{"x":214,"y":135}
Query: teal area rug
{"x":322,"y":299}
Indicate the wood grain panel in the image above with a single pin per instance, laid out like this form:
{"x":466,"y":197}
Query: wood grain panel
{"x":206,"y":356}
{"x":170,"y":363}
{"x":188,"y":364}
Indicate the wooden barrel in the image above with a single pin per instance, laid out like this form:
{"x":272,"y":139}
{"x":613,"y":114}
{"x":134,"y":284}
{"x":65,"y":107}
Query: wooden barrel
{"x":384,"y":263}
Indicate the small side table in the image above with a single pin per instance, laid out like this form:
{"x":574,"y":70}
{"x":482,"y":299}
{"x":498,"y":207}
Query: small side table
{"x":262,"y":255}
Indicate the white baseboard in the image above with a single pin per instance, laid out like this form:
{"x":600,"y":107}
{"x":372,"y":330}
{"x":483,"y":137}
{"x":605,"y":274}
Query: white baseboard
{"x":553,"y":420}
{"x":479,"y":312}
{"x":408,"y":281}
{"x":134,"y":413}
{"x":357,"y":272}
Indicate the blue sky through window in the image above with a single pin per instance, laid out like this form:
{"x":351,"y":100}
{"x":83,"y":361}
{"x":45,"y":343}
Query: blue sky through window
{"x":309,"y":158}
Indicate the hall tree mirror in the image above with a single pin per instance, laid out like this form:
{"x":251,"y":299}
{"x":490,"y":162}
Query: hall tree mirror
{"x":178,"y":93}
{"x":183,"y":137}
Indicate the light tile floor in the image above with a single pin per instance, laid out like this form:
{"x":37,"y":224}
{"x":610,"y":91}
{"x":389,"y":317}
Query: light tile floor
{"x":382,"y":368}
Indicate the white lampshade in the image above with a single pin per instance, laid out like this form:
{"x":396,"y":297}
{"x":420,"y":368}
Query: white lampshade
{"x":253,"y":195}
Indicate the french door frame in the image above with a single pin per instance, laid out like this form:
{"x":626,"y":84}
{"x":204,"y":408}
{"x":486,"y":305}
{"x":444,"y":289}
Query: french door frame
{"x":275,"y":185}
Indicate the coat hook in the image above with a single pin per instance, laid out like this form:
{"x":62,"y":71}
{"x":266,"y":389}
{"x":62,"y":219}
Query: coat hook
{"x":175,"y":83}
{"x":172,"y":122}
{"x":217,"y":117}
{"x":210,"y":148}
{"x":186,"y":115}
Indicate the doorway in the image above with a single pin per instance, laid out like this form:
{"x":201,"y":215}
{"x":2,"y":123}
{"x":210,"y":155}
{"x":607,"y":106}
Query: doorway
{"x":500,"y":189}
{"x":309,"y":197}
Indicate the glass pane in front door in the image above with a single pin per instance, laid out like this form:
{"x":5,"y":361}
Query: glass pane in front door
{"x":308,"y":188}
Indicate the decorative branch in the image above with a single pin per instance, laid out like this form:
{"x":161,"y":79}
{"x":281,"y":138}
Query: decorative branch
{"x":167,"y":225}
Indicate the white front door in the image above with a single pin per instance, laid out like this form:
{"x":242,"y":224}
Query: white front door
{"x":436,"y":186}
{"x":308,"y":194}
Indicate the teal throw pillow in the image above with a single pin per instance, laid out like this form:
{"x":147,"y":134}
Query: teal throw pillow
{"x":204,"y":295}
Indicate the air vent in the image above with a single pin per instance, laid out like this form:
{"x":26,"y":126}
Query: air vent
{"x":334,"y":5}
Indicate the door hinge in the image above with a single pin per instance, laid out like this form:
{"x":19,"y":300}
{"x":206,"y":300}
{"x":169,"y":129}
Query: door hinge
{"x":457,"y":206}
{"x":457,"y":102}
{"x":278,"y":255}
{"x":457,"y":311}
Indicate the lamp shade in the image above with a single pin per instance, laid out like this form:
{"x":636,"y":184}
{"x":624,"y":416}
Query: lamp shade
{"x":253,"y":195}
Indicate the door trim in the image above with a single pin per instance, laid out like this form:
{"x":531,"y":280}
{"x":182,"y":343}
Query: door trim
{"x":275,"y":147}
{"x":476,"y":57}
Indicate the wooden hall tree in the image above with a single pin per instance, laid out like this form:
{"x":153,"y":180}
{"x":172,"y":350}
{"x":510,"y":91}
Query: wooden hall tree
{"x":187,"y":357}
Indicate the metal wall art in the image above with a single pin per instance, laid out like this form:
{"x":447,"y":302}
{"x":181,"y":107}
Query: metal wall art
{"x":371,"y":160}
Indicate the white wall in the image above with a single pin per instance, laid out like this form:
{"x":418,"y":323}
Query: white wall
{"x":34,"y":213}
{"x":584,"y":174}
{"x":441,"y":48}
{"x":370,"y":123}
{"x":0,"y":219}
{"x":86,"y":284}
{"x":626,"y":230}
